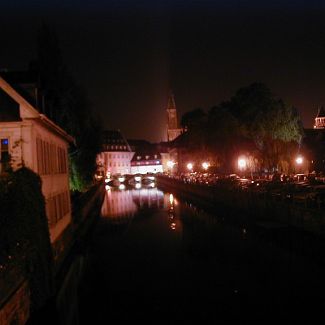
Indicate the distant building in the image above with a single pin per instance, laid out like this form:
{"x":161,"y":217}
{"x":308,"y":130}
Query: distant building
{"x":116,"y":154}
{"x":320,"y":119}
{"x":173,"y":131}
{"x":29,"y":138}
{"x":147,"y":155}
{"x":146,"y":162}
{"x":313,"y":144}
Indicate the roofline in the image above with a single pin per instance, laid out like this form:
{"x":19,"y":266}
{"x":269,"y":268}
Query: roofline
{"x":59,"y":130}
{"x":16,"y":96}
{"x":36,"y":114}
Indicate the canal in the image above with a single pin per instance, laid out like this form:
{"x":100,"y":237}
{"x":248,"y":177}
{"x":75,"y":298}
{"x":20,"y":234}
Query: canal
{"x":156,"y":258}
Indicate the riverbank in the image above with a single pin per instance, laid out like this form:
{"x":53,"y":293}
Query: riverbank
{"x":249,"y":206}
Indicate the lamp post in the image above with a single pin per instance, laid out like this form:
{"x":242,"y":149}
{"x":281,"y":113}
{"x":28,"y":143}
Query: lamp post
{"x":189,"y":166}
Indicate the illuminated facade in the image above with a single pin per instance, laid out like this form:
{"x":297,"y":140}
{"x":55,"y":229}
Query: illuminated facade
{"x":320,"y":119}
{"x":173,"y":131}
{"x":116,"y":154}
{"x":143,"y":163}
{"x":29,"y":138}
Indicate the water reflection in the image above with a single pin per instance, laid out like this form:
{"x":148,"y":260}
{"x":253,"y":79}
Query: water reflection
{"x":121,"y":203}
{"x":173,"y":213}
{"x":173,"y":248}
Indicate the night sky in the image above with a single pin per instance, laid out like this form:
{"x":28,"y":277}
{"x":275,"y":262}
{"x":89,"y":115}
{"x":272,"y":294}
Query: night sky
{"x":128,"y":54}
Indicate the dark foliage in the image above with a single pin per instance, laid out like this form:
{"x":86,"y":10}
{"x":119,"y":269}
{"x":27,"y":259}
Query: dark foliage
{"x":252,"y":122}
{"x":67,"y":103}
{"x":24,"y":234}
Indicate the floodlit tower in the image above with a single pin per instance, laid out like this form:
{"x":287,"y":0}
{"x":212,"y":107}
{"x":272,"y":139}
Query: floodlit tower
{"x":172,"y":126}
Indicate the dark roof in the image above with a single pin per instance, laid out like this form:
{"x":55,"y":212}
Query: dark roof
{"x":139,"y":144}
{"x":113,"y":140}
{"x":147,"y":157}
{"x":180,"y":141}
{"x":321,"y":112}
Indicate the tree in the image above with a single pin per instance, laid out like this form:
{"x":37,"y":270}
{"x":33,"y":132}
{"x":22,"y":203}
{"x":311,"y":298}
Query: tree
{"x":193,"y":118}
{"x":195,"y":123}
{"x":268,"y":121}
{"x":222,"y":134}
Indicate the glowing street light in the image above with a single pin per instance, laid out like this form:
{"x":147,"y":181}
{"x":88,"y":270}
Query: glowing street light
{"x":299,"y":160}
{"x":242,"y":163}
{"x":189,"y":166}
{"x":170,"y":164}
{"x":205,"y":165}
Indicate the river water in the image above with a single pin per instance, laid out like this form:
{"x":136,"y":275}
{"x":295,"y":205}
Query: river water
{"x":157,"y":259}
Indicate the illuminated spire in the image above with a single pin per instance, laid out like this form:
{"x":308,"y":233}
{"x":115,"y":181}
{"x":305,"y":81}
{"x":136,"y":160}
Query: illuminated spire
{"x":172,"y":126}
{"x":171,"y":102}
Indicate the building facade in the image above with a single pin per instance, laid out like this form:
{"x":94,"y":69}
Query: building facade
{"x":115,"y":157}
{"x":320,"y":119}
{"x":28,"y":138}
{"x":146,"y":162}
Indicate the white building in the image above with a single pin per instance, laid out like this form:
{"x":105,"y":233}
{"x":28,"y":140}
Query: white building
{"x":146,"y":162}
{"x":320,"y":119}
{"x":116,"y":154}
{"x":32,"y":140}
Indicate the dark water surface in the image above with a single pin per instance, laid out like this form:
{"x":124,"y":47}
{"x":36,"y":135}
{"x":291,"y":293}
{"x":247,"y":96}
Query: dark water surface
{"x":156,"y":259}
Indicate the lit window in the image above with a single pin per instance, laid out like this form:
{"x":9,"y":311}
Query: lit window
{"x":147,"y":157}
{"x":139,"y":157}
{"x":155,"y":156}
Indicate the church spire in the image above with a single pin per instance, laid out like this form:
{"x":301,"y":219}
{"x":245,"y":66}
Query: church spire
{"x":171,"y":102}
{"x":172,"y":126}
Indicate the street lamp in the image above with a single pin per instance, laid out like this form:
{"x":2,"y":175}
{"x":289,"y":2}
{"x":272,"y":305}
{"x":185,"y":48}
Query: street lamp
{"x":242,"y":163}
{"x":189,"y":166}
{"x":205,"y":165}
{"x":299,"y":160}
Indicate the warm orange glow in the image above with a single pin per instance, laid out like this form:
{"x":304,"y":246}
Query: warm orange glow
{"x":189,"y":166}
{"x":205,"y":165}
{"x":299,"y":160}
{"x":170,"y":164}
{"x":171,"y":199}
{"x":242,"y":163}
